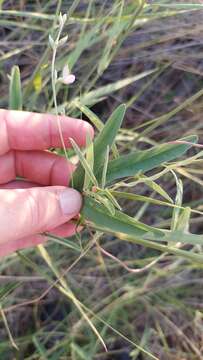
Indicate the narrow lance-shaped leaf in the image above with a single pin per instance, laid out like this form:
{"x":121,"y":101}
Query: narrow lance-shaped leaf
{"x":15,"y":92}
{"x":178,"y":236}
{"x":156,"y":187}
{"x":112,"y":199}
{"x":120,"y":222}
{"x":86,"y":167}
{"x":95,"y":121}
{"x":142,"y":161}
{"x":89,"y":159}
{"x":184,"y":220}
{"x":105,"y":138}
{"x":108,"y":134}
{"x":104,"y":171}
{"x":134,"y":231}
{"x":97,"y":214}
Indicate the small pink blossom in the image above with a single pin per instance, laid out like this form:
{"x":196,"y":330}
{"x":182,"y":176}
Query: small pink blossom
{"x":66,"y":76}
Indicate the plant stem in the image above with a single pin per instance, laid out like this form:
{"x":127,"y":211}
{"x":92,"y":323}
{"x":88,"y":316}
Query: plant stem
{"x":53,"y":82}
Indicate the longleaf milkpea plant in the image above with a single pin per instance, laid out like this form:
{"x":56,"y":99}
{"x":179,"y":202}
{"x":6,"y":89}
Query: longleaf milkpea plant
{"x":101,"y":169}
{"x":96,"y":176}
{"x":98,"y":172}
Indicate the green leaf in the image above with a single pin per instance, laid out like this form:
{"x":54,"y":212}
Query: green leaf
{"x":106,"y":202}
{"x":104,"y":171}
{"x":184,"y":220}
{"x":122,"y":223}
{"x":89,"y":159}
{"x":90,"y":114}
{"x":142,"y":161}
{"x":108,"y":134}
{"x":128,"y":229}
{"x":178,"y":236}
{"x":105,"y":138}
{"x":84,"y":164}
{"x":142,"y":198}
{"x":95,"y":121}
{"x":15,"y":92}
{"x":112,"y":199}
{"x":157,"y":188}
{"x":119,"y":222}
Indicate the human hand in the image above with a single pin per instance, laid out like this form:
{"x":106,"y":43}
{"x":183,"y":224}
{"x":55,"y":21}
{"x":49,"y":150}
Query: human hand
{"x":41,"y":203}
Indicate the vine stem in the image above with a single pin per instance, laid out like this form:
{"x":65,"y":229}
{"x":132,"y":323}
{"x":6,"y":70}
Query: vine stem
{"x":53,"y":82}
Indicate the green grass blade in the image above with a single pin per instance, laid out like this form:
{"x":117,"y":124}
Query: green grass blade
{"x":7,"y":289}
{"x":78,"y":352}
{"x":15,"y":92}
{"x":142,"y":161}
{"x":95,"y":96}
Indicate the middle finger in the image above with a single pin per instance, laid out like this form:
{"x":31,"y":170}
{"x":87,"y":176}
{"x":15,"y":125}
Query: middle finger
{"x":42,"y":167}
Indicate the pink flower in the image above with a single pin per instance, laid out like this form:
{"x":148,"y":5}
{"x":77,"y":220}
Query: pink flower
{"x":67,"y":78}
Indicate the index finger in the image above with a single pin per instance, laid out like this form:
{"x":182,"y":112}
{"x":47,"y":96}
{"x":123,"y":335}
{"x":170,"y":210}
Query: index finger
{"x":23,"y":130}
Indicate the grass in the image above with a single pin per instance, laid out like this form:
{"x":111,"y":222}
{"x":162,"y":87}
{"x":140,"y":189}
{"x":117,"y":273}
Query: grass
{"x":80,"y":295}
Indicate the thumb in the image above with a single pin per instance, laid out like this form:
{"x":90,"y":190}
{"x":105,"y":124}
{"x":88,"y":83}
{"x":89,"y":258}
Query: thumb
{"x":25,"y":212}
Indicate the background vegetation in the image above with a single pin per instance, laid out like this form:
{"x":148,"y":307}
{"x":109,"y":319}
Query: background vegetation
{"x":148,"y":55}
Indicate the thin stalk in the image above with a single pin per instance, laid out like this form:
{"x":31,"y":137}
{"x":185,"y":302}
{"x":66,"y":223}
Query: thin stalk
{"x":53,"y":82}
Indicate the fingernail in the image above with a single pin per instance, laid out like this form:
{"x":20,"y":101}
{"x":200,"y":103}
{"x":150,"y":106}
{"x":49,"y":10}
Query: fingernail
{"x":70,"y":201}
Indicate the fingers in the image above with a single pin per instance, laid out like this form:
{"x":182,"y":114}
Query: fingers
{"x":18,"y":184}
{"x":11,"y":246}
{"x":25,"y":212}
{"x":64,"y":230}
{"x":41,"y":167}
{"x":22,"y":130}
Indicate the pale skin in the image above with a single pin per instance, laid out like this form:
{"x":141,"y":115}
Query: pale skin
{"x":41,"y":202}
